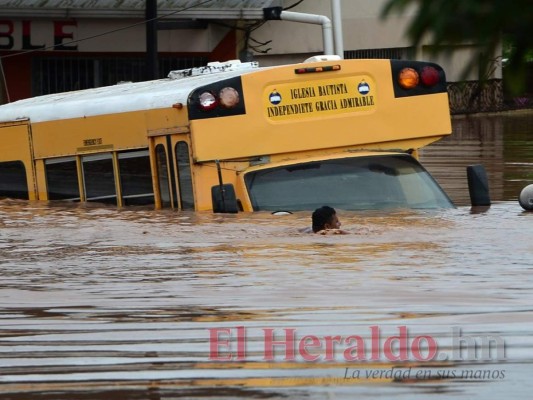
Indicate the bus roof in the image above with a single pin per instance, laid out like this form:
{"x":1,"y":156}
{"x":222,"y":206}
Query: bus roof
{"x":122,"y":97}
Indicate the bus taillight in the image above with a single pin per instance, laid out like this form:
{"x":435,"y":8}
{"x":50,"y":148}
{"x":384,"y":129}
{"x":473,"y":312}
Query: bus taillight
{"x":207,"y":101}
{"x":224,"y":98}
{"x":409,"y":78}
{"x":417,"y":78}
{"x":429,"y":76}
{"x":229,"y":97}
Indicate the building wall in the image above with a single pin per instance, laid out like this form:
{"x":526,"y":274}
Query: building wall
{"x":270,"y":43}
{"x":363,"y":28}
{"x":84,"y":43}
{"x":106,"y":35}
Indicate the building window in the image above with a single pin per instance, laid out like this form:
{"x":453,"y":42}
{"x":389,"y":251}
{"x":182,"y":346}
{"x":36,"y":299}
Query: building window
{"x":136,"y":178}
{"x":62,"y":179}
{"x":13,"y":181}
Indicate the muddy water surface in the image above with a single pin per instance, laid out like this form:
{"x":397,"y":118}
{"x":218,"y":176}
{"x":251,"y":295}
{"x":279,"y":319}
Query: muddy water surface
{"x":102,"y":303}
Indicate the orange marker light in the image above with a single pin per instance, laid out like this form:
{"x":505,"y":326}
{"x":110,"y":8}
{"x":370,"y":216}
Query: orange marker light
{"x":325,"y":68}
{"x":408,"y":78}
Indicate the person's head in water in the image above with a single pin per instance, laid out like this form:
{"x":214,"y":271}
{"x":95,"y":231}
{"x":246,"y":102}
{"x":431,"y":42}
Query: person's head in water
{"x":325,"y":218}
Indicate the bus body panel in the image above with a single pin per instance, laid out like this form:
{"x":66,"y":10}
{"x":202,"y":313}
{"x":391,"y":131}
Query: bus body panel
{"x":16,"y":144}
{"x":382,"y":124}
{"x":101,"y":132}
{"x":115,"y":99}
{"x":157,"y":143}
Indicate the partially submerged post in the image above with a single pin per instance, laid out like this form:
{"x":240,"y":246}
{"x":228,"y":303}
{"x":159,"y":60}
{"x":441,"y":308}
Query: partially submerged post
{"x":478,"y":185}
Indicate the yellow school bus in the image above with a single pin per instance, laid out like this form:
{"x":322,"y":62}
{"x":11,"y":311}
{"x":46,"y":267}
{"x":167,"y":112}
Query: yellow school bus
{"x":234,"y":137}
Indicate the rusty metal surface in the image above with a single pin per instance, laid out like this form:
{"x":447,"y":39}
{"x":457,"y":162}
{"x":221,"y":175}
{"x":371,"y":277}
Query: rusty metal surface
{"x":129,"y":8}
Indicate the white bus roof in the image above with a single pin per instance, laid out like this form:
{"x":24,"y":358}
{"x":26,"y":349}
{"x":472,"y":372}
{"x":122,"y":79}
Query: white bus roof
{"x":122,"y":97}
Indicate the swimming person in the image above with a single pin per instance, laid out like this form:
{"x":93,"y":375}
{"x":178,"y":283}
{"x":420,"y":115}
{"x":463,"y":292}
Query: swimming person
{"x":325,"y":221}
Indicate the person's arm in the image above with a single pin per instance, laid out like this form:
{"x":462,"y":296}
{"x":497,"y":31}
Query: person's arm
{"x":333,"y":232}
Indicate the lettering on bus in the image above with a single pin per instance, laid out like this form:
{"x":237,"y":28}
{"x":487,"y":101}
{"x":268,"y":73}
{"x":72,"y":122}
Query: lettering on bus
{"x":319,"y":98}
{"x":92,"y":142}
{"x":322,"y":90}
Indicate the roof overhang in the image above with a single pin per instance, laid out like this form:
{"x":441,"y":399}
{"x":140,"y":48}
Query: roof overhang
{"x":120,"y":9}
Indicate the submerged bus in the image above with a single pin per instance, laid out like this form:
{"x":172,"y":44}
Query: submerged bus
{"x":232,"y":137}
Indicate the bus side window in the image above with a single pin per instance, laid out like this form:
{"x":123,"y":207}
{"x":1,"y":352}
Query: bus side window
{"x":98,"y":178}
{"x":13,"y":180}
{"x":184,"y":176}
{"x":62,"y":179}
{"x":162,"y":174}
{"x":135,"y":178}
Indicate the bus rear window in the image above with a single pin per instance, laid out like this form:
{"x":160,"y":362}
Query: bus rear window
{"x":356,"y":183}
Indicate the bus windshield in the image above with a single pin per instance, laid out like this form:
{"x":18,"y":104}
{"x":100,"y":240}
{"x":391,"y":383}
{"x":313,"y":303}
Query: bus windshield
{"x":355,"y":183}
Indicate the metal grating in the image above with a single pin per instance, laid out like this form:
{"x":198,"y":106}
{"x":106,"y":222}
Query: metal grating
{"x":64,"y":74}
{"x":194,"y":9}
{"x":394,"y":53}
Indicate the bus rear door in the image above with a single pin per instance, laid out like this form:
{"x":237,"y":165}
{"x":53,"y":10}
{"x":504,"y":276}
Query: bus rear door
{"x":17,"y":172}
{"x":171,"y":169}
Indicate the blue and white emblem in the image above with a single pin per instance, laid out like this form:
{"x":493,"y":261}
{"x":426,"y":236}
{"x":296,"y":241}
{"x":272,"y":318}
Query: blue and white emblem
{"x":363,"y":88}
{"x":275,"y":98}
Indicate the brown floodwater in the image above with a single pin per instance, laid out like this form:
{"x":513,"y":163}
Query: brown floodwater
{"x":104,"y":303}
{"x":502,"y":142}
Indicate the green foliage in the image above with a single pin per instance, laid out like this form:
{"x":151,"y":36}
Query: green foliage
{"x":482,"y":22}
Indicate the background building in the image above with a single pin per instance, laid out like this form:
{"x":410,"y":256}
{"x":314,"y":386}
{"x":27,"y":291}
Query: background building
{"x":52,"y":46}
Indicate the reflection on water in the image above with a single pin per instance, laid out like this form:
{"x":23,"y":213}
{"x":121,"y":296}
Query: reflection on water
{"x":106,"y":303}
{"x":503,"y":143}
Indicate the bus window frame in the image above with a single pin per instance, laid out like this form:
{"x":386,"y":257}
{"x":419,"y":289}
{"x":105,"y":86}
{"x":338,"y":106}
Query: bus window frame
{"x":17,"y":164}
{"x":169,"y":140}
{"x":59,"y":160}
{"x":127,"y":154}
{"x":164,"y":139}
{"x":175,"y":141}
{"x":95,"y":157}
{"x":18,"y":137}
